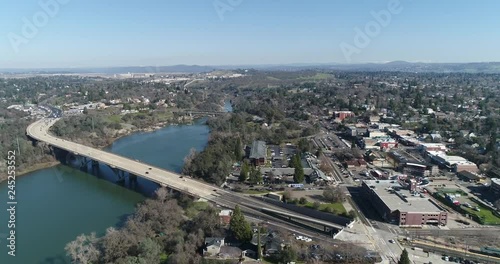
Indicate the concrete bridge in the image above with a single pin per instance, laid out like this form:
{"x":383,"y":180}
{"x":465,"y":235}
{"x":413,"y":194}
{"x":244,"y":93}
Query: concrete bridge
{"x":39,"y":131}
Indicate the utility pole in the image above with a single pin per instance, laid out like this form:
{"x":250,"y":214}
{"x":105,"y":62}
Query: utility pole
{"x":18,"y":148}
{"x":92,"y":123}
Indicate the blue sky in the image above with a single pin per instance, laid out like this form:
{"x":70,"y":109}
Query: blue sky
{"x":95,"y":33}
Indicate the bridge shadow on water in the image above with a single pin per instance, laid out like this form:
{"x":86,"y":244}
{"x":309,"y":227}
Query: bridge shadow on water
{"x":106,"y":173}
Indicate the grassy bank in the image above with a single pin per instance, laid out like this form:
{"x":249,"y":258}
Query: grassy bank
{"x":35,"y":167}
{"x":336,"y":208}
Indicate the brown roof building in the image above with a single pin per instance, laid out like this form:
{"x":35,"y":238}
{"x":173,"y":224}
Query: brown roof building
{"x":401,"y":206}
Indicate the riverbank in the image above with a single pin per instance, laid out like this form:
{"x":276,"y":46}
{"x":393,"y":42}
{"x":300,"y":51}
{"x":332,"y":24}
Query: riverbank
{"x":38,"y":166}
{"x":33,"y":168}
{"x":149,"y":129}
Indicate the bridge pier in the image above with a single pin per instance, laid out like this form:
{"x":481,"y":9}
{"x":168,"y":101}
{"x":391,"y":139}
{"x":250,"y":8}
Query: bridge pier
{"x":67,"y":158}
{"x":95,"y":165}
{"x":132,"y":179}
{"x":84,"y":164}
{"x":120,"y":174}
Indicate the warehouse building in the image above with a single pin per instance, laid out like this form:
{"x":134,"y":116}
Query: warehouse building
{"x":452,"y":163}
{"x":403,"y":206}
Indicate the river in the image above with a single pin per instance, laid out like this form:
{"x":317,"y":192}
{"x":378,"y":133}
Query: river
{"x":57,"y":204}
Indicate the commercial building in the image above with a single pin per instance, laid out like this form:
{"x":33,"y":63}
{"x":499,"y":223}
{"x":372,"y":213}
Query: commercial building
{"x":386,"y":145}
{"x":403,"y":206}
{"x":495,"y":186}
{"x":426,"y":147}
{"x":408,"y":163}
{"x":470,"y":176}
{"x":341,"y":115}
{"x":452,"y":163}
{"x":258,"y":153}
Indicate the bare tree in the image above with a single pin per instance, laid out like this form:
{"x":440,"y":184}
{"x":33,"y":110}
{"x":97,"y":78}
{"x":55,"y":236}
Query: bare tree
{"x":325,"y":167}
{"x":115,"y":245}
{"x":333,"y":194}
{"x":189,"y":159}
{"x":162,"y":194}
{"x":83,"y":249}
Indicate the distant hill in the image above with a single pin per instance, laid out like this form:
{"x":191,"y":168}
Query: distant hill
{"x":475,"y":67}
{"x":117,"y":70}
{"x":402,"y":66}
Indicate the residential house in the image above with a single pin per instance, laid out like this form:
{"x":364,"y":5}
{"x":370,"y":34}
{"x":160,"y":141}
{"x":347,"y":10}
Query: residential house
{"x":213,"y":246}
{"x":271,"y":242}
{"x":225,"y":216}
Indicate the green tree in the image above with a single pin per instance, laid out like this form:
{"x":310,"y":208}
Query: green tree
{"x":243,"y":172}
{"x":237,"y":149}
{"x":239,"y":226}
{"x":298,"y":175}
{"x":295,"y":161}
{"x":287,"y":255}
{"x":304,"y":145}
{"x":404,"y":259}
{"x":351,"y":214}
{"x":255,"y":175}
{"x":150,"y":252}
{"x":287,"y":195}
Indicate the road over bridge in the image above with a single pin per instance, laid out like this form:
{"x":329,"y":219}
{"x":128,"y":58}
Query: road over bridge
{"x":39,"y":131}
